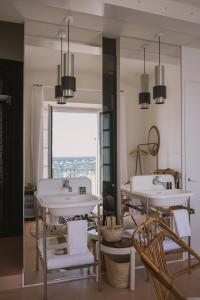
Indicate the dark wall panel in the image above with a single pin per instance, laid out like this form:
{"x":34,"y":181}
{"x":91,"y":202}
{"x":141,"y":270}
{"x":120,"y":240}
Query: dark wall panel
{"x":12,"y":149}
{"x":109,"y":127}
{"x":11,"y":129}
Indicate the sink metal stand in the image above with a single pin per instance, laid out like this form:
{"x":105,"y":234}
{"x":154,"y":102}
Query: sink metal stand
{"x":41,"y":213}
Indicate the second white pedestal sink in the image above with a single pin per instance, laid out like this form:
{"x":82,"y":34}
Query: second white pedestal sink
{"x":165,"y":198}
{"x":143,"y":187}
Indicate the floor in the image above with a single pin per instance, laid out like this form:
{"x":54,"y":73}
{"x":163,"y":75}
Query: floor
{"x":86,"y":290}
{"x":11,"y":261}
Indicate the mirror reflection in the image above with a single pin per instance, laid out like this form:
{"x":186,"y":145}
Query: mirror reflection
{"x":68,"y":143}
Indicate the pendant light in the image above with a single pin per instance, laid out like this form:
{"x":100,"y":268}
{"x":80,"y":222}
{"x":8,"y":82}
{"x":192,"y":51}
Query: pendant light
{"x":159,"y":90}
{"x":144,"y":96}
{"x":58,"y":87}
{"x":68,"y":81}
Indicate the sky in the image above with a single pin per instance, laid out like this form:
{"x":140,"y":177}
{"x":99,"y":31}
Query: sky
{"x":74,"y":134}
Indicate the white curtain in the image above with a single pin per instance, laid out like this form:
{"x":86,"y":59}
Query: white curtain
{"x":37,"y":98}
{"x":123,"y":133}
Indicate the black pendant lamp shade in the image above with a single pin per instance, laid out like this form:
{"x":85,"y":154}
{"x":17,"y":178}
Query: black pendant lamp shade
{"x":159,"y":90}
{"x":144,"y":96}
{"x":58,"y":89}
{"x":68,"y":81}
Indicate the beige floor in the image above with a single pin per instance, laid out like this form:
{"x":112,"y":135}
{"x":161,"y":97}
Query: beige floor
{"x":86,"y":290}
{"x":11,"y":259}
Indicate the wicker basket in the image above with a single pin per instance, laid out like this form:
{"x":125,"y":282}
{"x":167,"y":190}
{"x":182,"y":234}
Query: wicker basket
{"x":112,"y":235}
{"x":117,"y":270}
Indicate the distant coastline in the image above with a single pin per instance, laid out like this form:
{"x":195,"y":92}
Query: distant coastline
{"x":73,"y":166}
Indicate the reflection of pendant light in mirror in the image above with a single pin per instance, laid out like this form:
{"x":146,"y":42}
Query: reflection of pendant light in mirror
{"x":68,"y":81}
{"x":58,"y":87}
{"x":144,"y":96}
{"x":159,"y":90}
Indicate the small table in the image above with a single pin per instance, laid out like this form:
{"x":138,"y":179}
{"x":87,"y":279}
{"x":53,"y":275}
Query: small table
{"x":120,"y":249}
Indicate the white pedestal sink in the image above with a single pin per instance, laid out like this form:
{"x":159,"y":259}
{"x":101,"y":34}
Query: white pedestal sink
{"x":61,"y":202}
{"x":70,"y":205}
{"x":142,"y":187}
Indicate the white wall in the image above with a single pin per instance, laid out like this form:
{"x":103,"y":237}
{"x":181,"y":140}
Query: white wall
{"x":191,"y":75}
{"x":134,"y":122}
{"x":166,"y":117}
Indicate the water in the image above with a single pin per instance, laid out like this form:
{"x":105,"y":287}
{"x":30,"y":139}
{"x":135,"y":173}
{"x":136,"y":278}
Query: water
{"x":74,"y":166}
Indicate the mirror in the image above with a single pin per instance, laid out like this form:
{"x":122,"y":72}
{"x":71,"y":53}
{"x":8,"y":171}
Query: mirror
{"x":137,"y":157}
{"x":153,"y":140}
{"x":70,"y":136}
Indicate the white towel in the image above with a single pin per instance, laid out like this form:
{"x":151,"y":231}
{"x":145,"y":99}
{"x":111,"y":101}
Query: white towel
{"x":77,"y":237}
{"x":182,"y":224}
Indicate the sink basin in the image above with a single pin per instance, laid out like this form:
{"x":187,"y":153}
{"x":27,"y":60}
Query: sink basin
{"x":145,"y":187}
{"x":69,"y":204}
{"x":165,"y":198}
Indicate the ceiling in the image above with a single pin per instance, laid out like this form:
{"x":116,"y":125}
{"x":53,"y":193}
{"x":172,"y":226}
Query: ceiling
{"x":179,"y":20}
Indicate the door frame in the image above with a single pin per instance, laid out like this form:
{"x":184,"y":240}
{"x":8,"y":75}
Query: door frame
{"x":50,"y":136}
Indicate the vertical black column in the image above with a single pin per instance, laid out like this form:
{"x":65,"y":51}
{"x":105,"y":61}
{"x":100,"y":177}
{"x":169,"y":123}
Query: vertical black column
{"x":11,"y":141}
{"x":109,"y":128}
{"x":1,"y":163}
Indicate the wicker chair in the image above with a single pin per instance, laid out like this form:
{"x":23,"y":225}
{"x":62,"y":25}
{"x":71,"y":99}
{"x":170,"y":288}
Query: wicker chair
{"x":148,"y":241}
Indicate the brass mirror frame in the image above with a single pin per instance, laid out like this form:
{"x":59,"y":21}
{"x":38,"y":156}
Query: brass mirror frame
{"x":154,"y":152}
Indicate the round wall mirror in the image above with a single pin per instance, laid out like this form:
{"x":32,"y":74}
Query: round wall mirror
{"x":153,"y":140}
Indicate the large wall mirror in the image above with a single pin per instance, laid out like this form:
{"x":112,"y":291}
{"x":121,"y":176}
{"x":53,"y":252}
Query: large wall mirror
{"x":69,"y":134}
{"x":163,"y":119}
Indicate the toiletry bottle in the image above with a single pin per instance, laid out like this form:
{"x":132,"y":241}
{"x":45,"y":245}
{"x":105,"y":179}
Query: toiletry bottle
{"x":178,"y":184}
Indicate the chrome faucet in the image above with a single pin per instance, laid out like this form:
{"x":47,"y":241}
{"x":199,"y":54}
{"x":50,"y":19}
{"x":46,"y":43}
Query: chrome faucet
{"x":156,"y":181}
{"x":66,"y":185}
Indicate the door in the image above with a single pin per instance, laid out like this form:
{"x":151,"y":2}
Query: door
{"x":192,"y":154}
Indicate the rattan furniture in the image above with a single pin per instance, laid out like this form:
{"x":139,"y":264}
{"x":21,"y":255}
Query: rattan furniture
{"x":148,"y":240}
{"x":113,"y":250}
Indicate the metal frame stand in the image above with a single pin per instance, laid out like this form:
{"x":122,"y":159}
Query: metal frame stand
{"x":41,"y":213}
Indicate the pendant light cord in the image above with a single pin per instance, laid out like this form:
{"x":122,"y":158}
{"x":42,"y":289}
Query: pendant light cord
{"x":144,"y":60}
{"x":159,"y":49}
{"x":61,"y":56}
{"x":68,"y":45}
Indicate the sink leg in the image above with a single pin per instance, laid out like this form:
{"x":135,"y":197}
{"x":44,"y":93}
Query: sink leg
{"x":37,"y":237}
{"x":44,"y":253}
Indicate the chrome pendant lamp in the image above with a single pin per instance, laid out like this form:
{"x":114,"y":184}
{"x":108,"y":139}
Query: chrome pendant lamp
{"x":144,"y":96}
{"x":58,"y":88}
{"x":159,"y":90}
{"x":68,"y":81}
